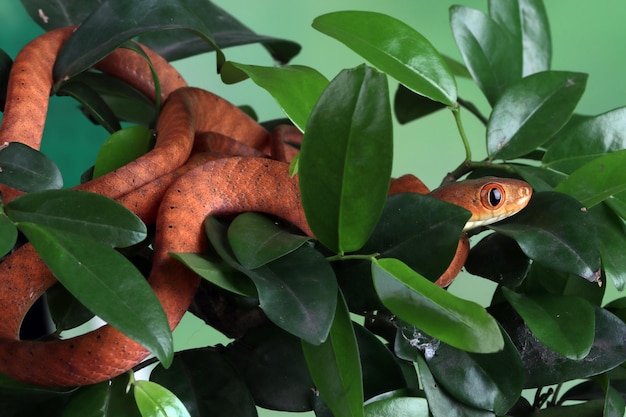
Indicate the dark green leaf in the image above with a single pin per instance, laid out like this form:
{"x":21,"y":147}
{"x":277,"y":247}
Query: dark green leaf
{"x":296,"y":88}
{"x":612,"y":244}
{"x":273,"y":365}
{"x":154,"y":400}
{"x":106,"y":399}
{"x":89,"y":215}
{"x":225,"y":30}
{"x":414,"y":62}
{"x":336,"y":368}
{"x":540,"y":179}
{"x":440,"y":403}
{"x":413,"y":298}
{"x":5,"y":68}
{"x":217,"y":273}
{"x":491,"y":56}
{"x":565,"y":324}
{"x":543,"y":367}
{"x":554,"y":231}
{"x":206,"y":384}
{"x":256,"y":240}
{"x":527,"y":22}
{"x":396,"y":405}
{"x":409,"y":106}
{"x":531,"y":111}
{"x":478,"y":380}
{"x":587,"y":409}
{"x":92,"y":103}
{"x":597,"y":180}
{"x":122,"y":147}
{"x":64,"y":12}
{"x":587,"y":140}
{"x":26,"y":169}
{"x":298,"y":293}
{"x":106,"y":283}
{"x":66,"y":311}
{"x":116,"y":21}
{"x":613,"y":401}
{"x":347,"y":148}
{"x":8,"y":234}
{"x":217,"y":232}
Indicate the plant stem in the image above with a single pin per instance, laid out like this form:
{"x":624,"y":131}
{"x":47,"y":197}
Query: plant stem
{"x":342,"y":257}
{"x":456,"y":111}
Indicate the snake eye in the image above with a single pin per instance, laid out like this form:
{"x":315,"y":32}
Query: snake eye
{"x":492,"y":196}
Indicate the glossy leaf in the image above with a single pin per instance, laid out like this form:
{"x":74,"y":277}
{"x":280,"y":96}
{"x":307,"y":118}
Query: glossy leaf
{"x":597,"y":180}
{"x":272,"y":364}
{"x":303,"y":302}
{"x":414,"y":62}
{"x":477,"y":379}
{"x":565,"y":324}
{"x":154,"y":400}
{"x":122,"y":147}
{"x":540,"y":179}
{"x":26,"y":169}
{"x":588,"y":140}
{"x":65,"y":12}
{"x":106,"y":399}
{"x":409,"y":106}
{"x":613,"y":401}
{"x":413,"y":298}
{"x":116,"y":21}
{"x":587,"y":409}
{"x":531,"y":111}
{"x":612,"y":244}
{"x":65,"y":310}
{"x":106,"y":283}
{"x":90,"y":215}
{"x":256,"y":240}
{"x":295,"y":88}
{"x":8,"y":234}
{"x":226,"y":31}
{"x":527,"y":22}
{"x":440,"y":403}
{"x":347,"y":148}
{"x":543,"y":366}
{"x":397,"y":406}
{"x":554,"y":231}
{"x":217,"y":273}
{"x":208,"y":373}
{"x":335,"y":366}
{"x":5,"y":69}
{"x":92,"y":103}
{"x":491,"y":56}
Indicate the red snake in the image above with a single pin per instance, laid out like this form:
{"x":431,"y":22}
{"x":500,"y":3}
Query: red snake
{"x":186,"y":177}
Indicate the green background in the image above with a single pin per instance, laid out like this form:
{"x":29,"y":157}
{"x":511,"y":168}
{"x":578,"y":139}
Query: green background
{"x":587,"y":37}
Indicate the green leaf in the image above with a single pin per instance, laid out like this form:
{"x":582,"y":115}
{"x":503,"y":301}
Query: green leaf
{"x":613,"y":401}
{"x":587,"y":140}
{"x":347,"y":148}
{"x":554,"y":230}
{"x":154,"y":400}
{"x":409,"y":106}
{"x":106,"y":399}
{"x":95,"y":105}
{"x":106,"y":283}
{"x":540,"y":179}
{"x":455,"y":321}
{"x":272,"y":364}
{"x":491,"y":56}
{"x":336,"y":368}
{"x":207,"y":384}
{"x":65,"y":310}
{"x":396,"y":406}
{"x":256,"y":240}
{"x":440,"y":403}
{"x":597,"y":180}
{"x":90,"y":215}
{"x":65,"y":13}
{"x":296,"y":88}
{"x":565,"y":324}
{"x":26,"y":169}
{"x":8,"y":234}
{"x":478,"y":380}
{"x":116,"y":21}
{"x":226,"y":31}
{"x":612,"y":245}
{"x":531,"y":111}
{"x":217,"y":273}
{"x":122,"y":147}
{"x":527,"y":22}
{"x":5,"y":69}
{"x":298,"y":293}
{"x":414,"y":62}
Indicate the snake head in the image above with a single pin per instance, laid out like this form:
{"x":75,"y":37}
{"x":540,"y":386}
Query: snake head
{"x":489,"y":199}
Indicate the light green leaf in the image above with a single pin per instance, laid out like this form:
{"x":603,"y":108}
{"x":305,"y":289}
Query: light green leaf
{"x":154,"y":400}
{"x":122,"y":147}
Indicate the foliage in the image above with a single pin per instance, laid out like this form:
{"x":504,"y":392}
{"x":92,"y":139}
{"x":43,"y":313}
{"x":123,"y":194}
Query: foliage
{"x":355,"y":326}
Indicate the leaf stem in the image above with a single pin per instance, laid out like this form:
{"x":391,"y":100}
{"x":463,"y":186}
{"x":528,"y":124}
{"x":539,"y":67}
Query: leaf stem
{"x":341,"y":257}
{"x":456,"y":111}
